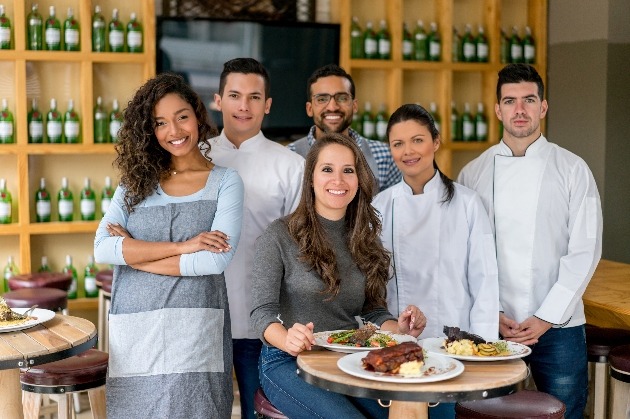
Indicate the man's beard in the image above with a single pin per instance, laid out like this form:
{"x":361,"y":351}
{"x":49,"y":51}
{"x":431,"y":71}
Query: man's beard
{"x":339,"y":129}
{"x":521,"y":134}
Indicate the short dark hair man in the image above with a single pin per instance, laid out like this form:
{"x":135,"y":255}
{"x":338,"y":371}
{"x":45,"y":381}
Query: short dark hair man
{"x":331,"y":102}
{"x":272,"y":176}
{"x":546,"y":214}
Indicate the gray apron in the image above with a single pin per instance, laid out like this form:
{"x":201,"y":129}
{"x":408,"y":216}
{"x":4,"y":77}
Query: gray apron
{"x":170,"y":338}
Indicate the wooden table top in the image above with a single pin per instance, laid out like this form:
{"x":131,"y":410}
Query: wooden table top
{"x":607,"y":297}
{"x":59,"y":338}
{"x":478,"y":381}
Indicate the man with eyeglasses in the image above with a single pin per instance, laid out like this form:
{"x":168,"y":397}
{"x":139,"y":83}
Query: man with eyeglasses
{"x":331,"y":103}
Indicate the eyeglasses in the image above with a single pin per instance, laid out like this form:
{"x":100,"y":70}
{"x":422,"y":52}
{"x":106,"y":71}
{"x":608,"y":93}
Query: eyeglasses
{"x":340,"y":98}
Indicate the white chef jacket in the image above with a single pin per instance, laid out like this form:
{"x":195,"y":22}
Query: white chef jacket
{"x":272,"y":176}
{"x":546,"y":214}
{"x":443,"y":256}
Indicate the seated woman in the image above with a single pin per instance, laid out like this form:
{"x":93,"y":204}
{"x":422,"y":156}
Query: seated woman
{"x":318,"y":269}
{"x":440,"y":237}
{"x":171,"y":230}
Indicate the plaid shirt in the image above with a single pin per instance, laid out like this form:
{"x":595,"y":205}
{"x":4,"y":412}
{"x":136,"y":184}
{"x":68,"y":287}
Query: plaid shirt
{"x":388,"y":174}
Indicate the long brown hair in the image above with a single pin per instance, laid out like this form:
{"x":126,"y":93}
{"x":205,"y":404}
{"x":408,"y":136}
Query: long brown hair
{"x":141,"y":160}
{"x":362,"y":223}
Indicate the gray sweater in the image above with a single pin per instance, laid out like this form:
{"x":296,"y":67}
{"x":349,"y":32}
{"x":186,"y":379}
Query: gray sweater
{"x":284,"y":287}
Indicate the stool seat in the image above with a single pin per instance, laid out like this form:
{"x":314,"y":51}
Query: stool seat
{"x":103,"y":275}
{"x":600,"y":341}
{"x":525,"y":404}
{"x":263,"y":406}
{"x":56,"y":280}
{"x":87,"y":367}
{"x":106,"y":285}
{"x":619,"y":359}
{"x":48,"y":298}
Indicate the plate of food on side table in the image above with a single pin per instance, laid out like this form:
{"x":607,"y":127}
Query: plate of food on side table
{"x":367,"y":338}
{"x":466,"y":346}
{"x":14,"y":319}
{"x":402,"y":363}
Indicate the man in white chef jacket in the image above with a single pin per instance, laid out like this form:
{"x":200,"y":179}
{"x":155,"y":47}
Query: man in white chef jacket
{"x":273,"y":177}
{"x":546,"y":215}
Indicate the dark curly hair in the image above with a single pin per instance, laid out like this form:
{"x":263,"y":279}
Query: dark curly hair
{"x":362,"y":223}
{"x":140,"y":158}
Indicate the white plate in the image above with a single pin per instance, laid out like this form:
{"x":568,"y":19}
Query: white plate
{"x":436,"y":368}
{"x":321,"y":338}
{"x":434,"y":346}
{"x":41,"y":314}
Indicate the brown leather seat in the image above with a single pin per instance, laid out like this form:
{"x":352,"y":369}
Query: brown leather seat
{"x":48,"y":298}
{"x":79,"y":370}
{"x":103,"y":275}
{"x":56,"y":280}
{"x":619,"y":360}
{"x":526,"y":404}
{"x":600,"y":341}
{"x":263,"y":406}
{"x":106,"y":285}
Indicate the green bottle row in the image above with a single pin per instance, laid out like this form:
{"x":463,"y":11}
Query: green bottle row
{"x":89,"y":275}
{"x":466,"y":127}
{"x":51,"y":35}
{"x":469,"y":48}
{"x":518,"y":50}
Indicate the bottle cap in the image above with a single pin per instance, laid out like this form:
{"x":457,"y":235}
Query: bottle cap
{"x":99,"y":101}
{"x":383,"y":24}
{"x":480,"y":107}
{"x":4,"y":103}
{"x":53,"y":104}
{"x":97,"y":9}
{"x":70,"y":104}
{"x":467,"y":107}
{"x":70,"y":12}
{"x":355,"y":19}
{"x":452,"y":103}
{"x":52,"y":11}
{"x":468,"y":28}
{"x":42,"y":183}
{"x":368,"y":24}
{"x":90,"y":259}
{"x":68,"y":260}
{"x":44,"y":261}
{"x":87,"y":182}
{"x":34,"y":7}
{"x":382,"y":107}
{"x":368,"y":106}
{"x":528,"y":30}
{"x":3,"y":184}
{"x":133,"y":16}
{"x":433,"y":26}
{"x":115,"y":104}
{"x":433,"y":107}
{"x":1,"y":9}
{"x":480,"y":29}
{"x":10,"y":260}
{"x":420,"y":23}
{"x":108,"y":182}
{"x":64,"y":182}
{"x":115,"y":14}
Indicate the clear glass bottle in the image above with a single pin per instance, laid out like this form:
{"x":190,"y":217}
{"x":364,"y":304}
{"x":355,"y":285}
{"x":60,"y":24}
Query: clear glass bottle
{"x":116,"y":34}
{"x":481,"y":124}
{"x":482,"y":45}
{"x":65,"y":202}
{"x":71,"y":33}
{"x":5,"y":203}
{"x":6,"y":124}
{"x":407,"y":43}
{"x":468,"y":46}
{"x":71,"y":124}
{"x":381,"y":124}
{"x":370,"y":42}
{"x":529,"y":47}
{"x":115,"y":122}
{"x":34,"y":29}
{"x":42,"y":203}
{"x":9,"y":270}
{"x":455,"y":133}
{"x":356,"y":39}
{"x":35,"y":121}
{"x":88,"y":202}
{"x":54,"y":124}
{"x":467,"y":124}
{"x":5,"y":30}
{"x":435,"y":43}
{"x":368,"y":126}
{"x":44,"y":267}
{"x":89,"y":280}
{"x":384,"y":42}
{"x":107,"y":195}
{"x":436,"y":116}
{"x":420,"y":43}
{"x":101,"y":123}
{"x":52,"y":34}
{"x":69,"y":269}
{"x":516,"y":49}
{"x":134,"y":35}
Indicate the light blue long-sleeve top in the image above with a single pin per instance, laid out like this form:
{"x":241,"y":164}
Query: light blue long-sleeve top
{"x":227,"y":219}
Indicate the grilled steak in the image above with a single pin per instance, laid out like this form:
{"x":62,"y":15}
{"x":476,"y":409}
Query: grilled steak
{"x":390,"y":359}
{"x":362,"y":334}
{"x":6,"y":314}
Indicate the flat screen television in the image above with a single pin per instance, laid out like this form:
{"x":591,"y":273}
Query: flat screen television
{"x":290,"y":51}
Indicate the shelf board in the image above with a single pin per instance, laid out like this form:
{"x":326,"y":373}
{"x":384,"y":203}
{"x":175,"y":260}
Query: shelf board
{"x":12,"y":229}
{"x":82,"y":304}
{"x":475,"y":66}
{"x":74,"y":56}
{"x":57,"y":149}
{"x":468,"y":145}
{"x":374,"y":64}
{"x":56,"y":227}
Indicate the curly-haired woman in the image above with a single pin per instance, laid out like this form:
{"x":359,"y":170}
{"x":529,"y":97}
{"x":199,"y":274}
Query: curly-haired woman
{"x":171,"y":230}
{"x":317,"y":269}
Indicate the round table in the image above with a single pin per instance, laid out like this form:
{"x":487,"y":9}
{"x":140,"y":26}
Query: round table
{"x":59,"y":338}
{"x":480,"y":380}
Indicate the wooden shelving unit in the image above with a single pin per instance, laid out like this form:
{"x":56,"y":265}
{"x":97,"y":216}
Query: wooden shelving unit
{"x":395,"y":82}
{"x":81,"y":76}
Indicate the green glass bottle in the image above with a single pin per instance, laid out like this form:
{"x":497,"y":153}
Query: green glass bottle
{"x":481,"y":124}
{"x":71,"y":33}
{"x":35,"y":121}
{"x":116,"y":34}
{"x":88,"y":202}
{"x":34,"y":29}
{"x":65,"y":202}
{"x":368,"y":126}
{"x":5,"y":203}
{"x":370,"y":42}
{"x":505,"y":47}
{"x":467,"y":124}
{"x":435,"y":43}
{"x":5,"y":30}
{"x":6,"y":124}
{"x":89,"y":280}
{"x":468,"y":46}
{"x":356,"y":123}
{"x":54,"y":125}
{"x":436,"y":116}
{"x":98,"y":31}
{"x":52,"y":34}
{"x":420,"y":43}
{"x":9,"y":270}
{"x":407,"y":43}
{"x":69,"y":269}
{"x":529,"y":47}
{"x":107,"y":195}
{"x":516,"y":49}
{"x":381,"y":124}
{"x":134,"y":35}
{"x":356,"y":39}
{"x":44,"y":267}
{"x":384,"y":42}
{"x":101,"y":123}
{"x":71,"y":124}
{"x":115,"y":122}
{"x":455,"y":134}
{"x":482,"y":46}
{"x":456,"y":46}
{"x":42,"y":203}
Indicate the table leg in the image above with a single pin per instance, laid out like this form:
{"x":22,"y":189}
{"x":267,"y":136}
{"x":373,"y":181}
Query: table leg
{"x":10,"y":395}
{"x":408,"y":410}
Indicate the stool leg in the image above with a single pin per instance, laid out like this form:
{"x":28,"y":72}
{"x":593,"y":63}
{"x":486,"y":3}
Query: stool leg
{"x":65,"y":407}
{"x":101,"y":318}
{"x":108,"y":304}
{"x":77,"y":402}
{"x":97,"y":402}
{"x":32,"y":402}
{"x":10,"y":394}
{"x":601,"y":390}
{"x":408,"y":410}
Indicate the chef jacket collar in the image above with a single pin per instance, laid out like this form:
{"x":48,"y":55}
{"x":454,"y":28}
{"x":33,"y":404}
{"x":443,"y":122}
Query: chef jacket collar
{"x":433,"y":184}
{"x":533,"y":148}
{"x":248,"y":144}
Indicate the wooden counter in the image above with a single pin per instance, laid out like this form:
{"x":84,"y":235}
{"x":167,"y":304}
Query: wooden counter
{"x":607,"y":297}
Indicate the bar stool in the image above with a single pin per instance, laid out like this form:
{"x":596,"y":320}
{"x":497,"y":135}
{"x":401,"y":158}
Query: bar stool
{"x":49,"y":298}
{"x":525,"y":404}
{"x":263,"y":409}
{"x":86,"y":371}
{"x":599,"y":342}
{"x":104,"y":281}
{"x":619,"y":359}
{"x":56,"y":280}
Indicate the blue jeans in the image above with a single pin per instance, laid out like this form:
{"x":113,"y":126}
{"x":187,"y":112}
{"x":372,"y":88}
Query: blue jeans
{"x":246,"y":354}
{"x":299,"y":400}
{"x":442,"y":411}
{"x":559,"y":367}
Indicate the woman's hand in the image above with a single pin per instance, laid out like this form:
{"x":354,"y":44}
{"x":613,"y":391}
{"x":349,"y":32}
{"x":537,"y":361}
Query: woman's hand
{"x":412,"y":321}
{"x":299,"y":338}
{"x":116,"y":230}
{"x":212,"y":241}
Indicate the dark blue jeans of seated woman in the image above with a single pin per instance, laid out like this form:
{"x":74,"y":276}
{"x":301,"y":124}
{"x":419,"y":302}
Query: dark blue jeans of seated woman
{"x":297,"y":399}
